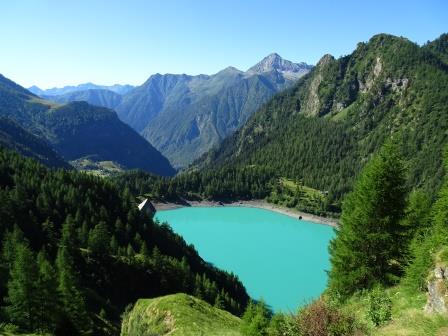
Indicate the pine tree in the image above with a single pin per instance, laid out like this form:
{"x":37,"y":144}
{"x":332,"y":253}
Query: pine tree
{"x":99,"y":240}
{"x":144,"y":249}
{"x":113,"y":245}
{"x":10,"y":241}
{"x":130,"y":252}
{"x":430,"y":240}
{"x":367,"y":248}
{"x":46,"y":291}
{"x":255,"y":320}
{"x":219,"y":301}
{"x":22,"y":302}
{"x":71,"y":297}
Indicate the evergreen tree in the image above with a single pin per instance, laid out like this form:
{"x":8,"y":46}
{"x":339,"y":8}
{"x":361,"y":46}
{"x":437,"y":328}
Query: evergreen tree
{"x":255,"y":320}
{"x":99,"y":240}
{"x":10,"y":242}
{"x":71,"y":296}
{"x":367,"y":245}
{"x":417,"y":213}
{"x":219,"y":301}
{"x":144,"y":250}
{"x":46,"y":292}
{"x":430,"y":240}
{"x":113,"y":245}
{"x":130,"y":252}
{"x":22,"y":306}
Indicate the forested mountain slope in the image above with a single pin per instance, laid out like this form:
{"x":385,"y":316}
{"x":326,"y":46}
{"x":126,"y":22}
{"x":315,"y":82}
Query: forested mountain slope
{"x":324,"y":129}
{"x":183,"y":116}
{"x":14,"y":137}
{"x":78,"y":130}
{"x":75,"y":251}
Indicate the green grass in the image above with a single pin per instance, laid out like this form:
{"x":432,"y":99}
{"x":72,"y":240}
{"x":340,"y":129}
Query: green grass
{"x":408,"y":316}
{"x":99,"y":168}
{"x":50,"y":104}
{"x":291,"y":194}
{"x":176,"y":315}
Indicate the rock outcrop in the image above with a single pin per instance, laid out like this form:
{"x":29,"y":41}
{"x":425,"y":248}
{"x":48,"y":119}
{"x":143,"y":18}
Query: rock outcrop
{"x":438,"y":291}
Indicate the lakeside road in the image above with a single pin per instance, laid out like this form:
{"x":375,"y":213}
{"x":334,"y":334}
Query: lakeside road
{"x":262,"y":204}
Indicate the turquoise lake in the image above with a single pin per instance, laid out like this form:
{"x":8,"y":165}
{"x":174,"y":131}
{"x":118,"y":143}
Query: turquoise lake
{"x":278,"y":258}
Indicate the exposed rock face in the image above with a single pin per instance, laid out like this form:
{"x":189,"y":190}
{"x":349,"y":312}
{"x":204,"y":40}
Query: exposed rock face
{"x":313,"y":104}
{"x":376,"y":71}
{"x":185,"y":116}
{"x":276,"y":62}
{"x":438,"y":291}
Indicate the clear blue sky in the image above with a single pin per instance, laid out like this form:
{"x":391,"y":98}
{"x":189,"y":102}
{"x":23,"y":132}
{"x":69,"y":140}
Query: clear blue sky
{"x":61,"y":42}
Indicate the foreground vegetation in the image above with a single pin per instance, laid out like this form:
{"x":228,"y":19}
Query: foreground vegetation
{"x":383,"y":258}
{"x":178,"y":315}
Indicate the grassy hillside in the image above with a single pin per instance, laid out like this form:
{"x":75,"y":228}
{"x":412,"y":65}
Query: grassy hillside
{"x":408,"y":316}
{"x":178,"y":315}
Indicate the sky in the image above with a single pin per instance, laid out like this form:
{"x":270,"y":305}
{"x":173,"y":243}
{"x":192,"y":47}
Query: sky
{"x":52,"y":43}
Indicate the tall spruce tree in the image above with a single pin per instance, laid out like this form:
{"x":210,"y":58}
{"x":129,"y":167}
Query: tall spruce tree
{"x":46,"y":294}
{"x":255,"y":320}
{"x":430,"y":240}
{"x":71,"y":296}
{"x":99,"y":240}
{"x":22,"y":306}
{"x":367,"y":247}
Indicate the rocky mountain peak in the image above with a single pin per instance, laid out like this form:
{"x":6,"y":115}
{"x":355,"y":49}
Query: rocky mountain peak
{"x":275,"y":62}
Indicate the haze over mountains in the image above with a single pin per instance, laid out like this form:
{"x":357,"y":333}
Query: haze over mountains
{"x":117,"y":88}
{"x":184,"y":116}
{"x":98,"y":97}
{"x":76,"y":130}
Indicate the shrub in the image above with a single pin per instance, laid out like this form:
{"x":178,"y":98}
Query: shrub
{"x":380,"y":307}
{"x":321,"y":319}
{"x":255,"y":320}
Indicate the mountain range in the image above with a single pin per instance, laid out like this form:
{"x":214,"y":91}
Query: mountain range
{"x":16,"y":138}
{"x":98,"y":97}
{"x":184,"y":116}
{"x":77,"y":130}
{"x":329,"y":124}
{"x":99,"y":253}
{"x":117,"y":88}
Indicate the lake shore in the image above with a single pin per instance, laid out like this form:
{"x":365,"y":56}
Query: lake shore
{"x":262,"y":204}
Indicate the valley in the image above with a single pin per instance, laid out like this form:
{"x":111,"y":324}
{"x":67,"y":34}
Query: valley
{"x":184,"y":116}
{"x":220,"y":192}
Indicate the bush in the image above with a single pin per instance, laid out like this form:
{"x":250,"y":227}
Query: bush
{"x":255,"y":320}
{"x":283,"y":325}
{"x":321,"y":319}
{"x":9,"y":327}
{"x":380,"y":307}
